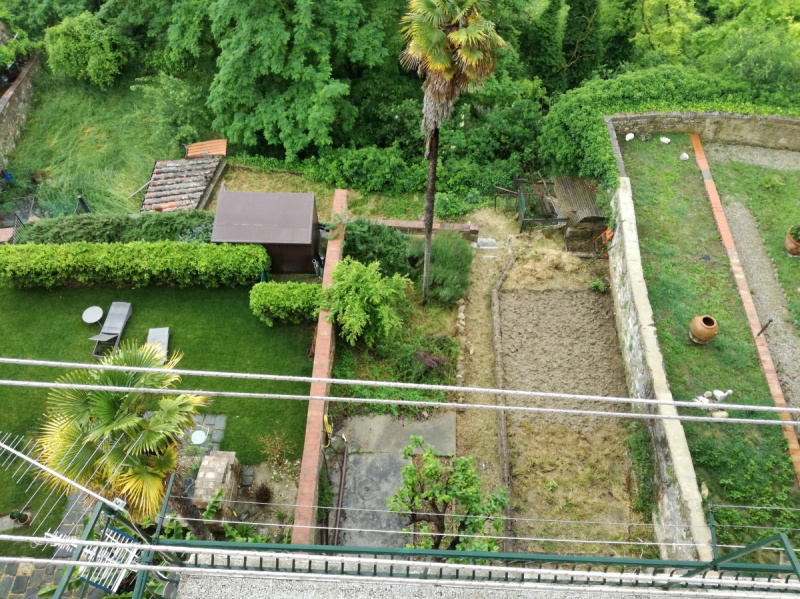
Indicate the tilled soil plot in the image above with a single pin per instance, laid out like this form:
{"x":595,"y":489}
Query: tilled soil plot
{"x":567,"y":467}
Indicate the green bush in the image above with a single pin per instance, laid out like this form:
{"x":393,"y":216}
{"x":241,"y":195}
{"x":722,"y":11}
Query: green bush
{"x":450,"y":206}
{"x":285,"y":302}
{"x":138,"y":263}
{"x":574,"y":135}
{"x":120,"y":228}
{"x":451,"y":258}
{"x":367,"y":243}
{"x":85,"y":48}
{"x":364,"y":303}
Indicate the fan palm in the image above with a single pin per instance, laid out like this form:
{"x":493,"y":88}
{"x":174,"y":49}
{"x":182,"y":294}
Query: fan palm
{"x":451,"y":45}
{"x":102,"y":439}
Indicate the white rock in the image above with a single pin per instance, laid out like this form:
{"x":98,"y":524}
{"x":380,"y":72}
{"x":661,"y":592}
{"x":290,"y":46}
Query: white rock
{"x":629,"y":136}
{"x":704,"y":490}
{"x":664,"y":140}
{"x":721,"y":414}
{"x":720,"y":396}
{"x":684,"y":156}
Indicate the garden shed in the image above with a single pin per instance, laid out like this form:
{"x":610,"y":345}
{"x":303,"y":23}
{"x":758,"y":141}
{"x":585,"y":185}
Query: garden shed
{"x":284,"y":223}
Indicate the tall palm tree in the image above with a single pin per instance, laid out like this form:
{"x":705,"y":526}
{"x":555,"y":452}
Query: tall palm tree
{"x":452,"y":46}
{"x":102,"y":439}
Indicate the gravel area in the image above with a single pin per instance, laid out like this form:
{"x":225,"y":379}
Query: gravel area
{"x":768,"y":296}
{"x":202,"y":587}
{"x":781,"y":159}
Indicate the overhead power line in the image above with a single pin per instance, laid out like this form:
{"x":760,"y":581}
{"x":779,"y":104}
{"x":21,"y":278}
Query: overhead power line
{"x":400,"y":402}
{"x":399,"y":385}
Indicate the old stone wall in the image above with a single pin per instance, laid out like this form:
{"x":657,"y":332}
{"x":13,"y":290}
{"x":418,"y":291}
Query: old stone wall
{"x":14,"y":108}
{"x":680,"y":517}
{"x":778,"y":132}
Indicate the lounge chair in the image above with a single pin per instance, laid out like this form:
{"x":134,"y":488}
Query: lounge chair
{"x":111,"y":334}
{"x":160,"y":336}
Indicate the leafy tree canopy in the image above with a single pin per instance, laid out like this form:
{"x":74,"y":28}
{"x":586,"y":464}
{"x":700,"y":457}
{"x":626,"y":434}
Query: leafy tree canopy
{"x":445,"y":502}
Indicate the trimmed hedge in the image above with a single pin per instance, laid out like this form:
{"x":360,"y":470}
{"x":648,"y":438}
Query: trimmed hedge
{"x":285,"y":302}
{"x":118,"y":228}
{"x":574,"y":135}
{"x":138,"y":263}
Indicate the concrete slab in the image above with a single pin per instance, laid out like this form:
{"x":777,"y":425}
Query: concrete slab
{"x":370,"y":480}
{"x":386,"y":434}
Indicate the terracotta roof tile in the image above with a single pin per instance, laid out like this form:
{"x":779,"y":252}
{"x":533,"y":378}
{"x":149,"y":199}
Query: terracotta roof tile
{"x":216,"y":147}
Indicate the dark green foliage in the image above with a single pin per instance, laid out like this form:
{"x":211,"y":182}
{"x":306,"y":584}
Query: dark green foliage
{"x":581,"y":45}
{"x":619,"y":24}
{"x":121,"y":228}
{"x":540,"y":46}
{"x":574,"y":135}
{"x":450,"y":206}
{"x":285,"y":302}
{"x":369,"y":169}
{"x":451,"y":258}
{"x":85,"y":48}
{"x":409,"y":356}
{"x":138,"y":263}
{"x":643,"y":461}
{"x":367,"y":242}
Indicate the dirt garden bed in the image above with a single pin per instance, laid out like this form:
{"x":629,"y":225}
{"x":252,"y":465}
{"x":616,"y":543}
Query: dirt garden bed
{"x":558,"y":335}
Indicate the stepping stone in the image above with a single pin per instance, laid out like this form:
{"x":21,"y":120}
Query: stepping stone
{"x":485,"y":243}
{"x":220,"y":421}
{"x":248,"y":474}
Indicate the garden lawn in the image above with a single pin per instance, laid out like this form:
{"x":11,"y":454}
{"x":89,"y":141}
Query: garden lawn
{"x":688,"y":274}
{"x":79,"y":139}
{"x":214,"y":328}
{"x":771,"y":195}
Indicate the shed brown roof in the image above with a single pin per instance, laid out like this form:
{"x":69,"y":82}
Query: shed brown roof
{"x":214,"y":147}
{"x":259,"y":217}
{"x":179,"y":184}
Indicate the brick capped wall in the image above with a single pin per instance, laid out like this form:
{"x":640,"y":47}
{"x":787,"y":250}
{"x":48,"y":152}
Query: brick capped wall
{"x":305,"y":515}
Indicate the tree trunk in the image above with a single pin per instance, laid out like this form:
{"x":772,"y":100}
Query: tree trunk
{"x":188,"y":510}
{"x":430,"y":197}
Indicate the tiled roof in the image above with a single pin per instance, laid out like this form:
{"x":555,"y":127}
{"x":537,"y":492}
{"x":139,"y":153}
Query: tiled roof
{"x":215,"y":147}
{"x":179,"y":184}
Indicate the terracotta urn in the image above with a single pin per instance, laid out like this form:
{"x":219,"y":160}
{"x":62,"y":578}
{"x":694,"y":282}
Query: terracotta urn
{"x":792,"y":246}
{"x":703,"y":329}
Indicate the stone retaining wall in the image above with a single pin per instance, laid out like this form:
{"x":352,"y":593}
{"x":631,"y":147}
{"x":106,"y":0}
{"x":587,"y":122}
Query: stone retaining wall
{"x":778,"y":132}
{"x":14,"y":108}
{"x":680,"y":517}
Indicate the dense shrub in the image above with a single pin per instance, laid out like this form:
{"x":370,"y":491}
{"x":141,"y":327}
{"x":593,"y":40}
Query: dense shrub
{"x":285,"y":302}
{"x":574,"y":135}
{"x":85,"y":48}
{"x":364,"y":303}
{"x":367,"y":243}
{"x":451,"y":258}
{"x":450,"y":206}
{"x":137,"y":263}
{"x":121,"y":228}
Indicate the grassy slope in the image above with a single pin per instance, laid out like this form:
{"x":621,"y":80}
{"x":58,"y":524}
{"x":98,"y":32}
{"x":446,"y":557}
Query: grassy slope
{"x":776,"y":208}
{"x":81,"y":140}
{"x":213,"y":328}
{"x":688,"y":274}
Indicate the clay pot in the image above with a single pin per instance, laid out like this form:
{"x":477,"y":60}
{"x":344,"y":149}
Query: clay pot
{"x":792,"y":246}
{"x":703,"y":329}
{"x":20,"y":517}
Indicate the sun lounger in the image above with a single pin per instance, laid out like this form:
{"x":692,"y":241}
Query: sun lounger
{"x":111,"y":334}
{"x":160,"y":336}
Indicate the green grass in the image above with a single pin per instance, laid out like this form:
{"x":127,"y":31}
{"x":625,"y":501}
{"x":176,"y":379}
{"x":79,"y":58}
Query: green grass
{"x":688,"y":274}
{"x":771,"y":195}
{"x":215,"y":330}
{"x":81,"y":140}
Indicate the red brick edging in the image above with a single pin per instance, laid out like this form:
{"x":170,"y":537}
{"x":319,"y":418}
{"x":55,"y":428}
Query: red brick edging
{"x":762,"y":349}
{"x":305,"y":514}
